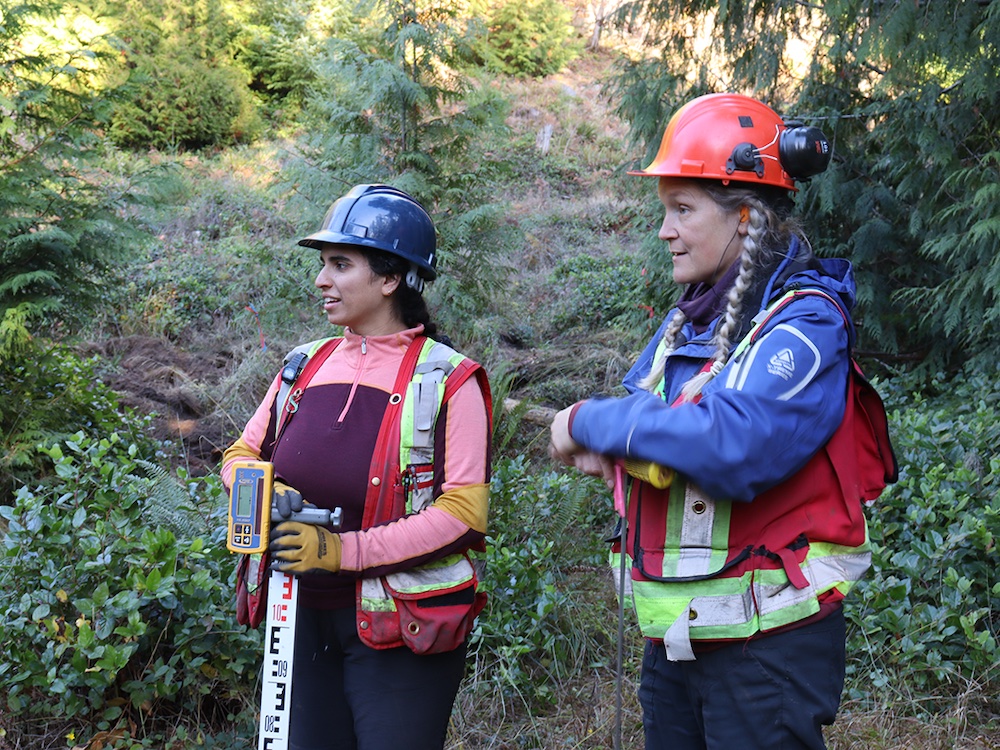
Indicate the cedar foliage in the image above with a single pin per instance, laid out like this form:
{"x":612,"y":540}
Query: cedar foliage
{"x":59,"y":227}
{"x":908,"y":93}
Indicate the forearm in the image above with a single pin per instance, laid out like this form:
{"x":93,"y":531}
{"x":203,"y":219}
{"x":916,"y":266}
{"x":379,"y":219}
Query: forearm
{"x":455,"y":522}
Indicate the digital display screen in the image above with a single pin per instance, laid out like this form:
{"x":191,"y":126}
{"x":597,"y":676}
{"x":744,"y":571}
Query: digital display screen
{"x":244,"y":499}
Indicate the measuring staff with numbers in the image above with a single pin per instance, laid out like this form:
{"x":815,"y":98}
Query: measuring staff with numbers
{"x":392,"y":426}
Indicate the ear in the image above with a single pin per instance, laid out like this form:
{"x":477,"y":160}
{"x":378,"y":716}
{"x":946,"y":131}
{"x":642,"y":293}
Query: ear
{"x":390,"y":283}
{"x":743,"y":227}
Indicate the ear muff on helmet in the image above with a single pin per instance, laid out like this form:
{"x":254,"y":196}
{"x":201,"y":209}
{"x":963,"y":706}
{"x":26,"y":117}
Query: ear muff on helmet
{"x":804,"y":151}
{"x":384,"y":218}
{"x":733,"y":138}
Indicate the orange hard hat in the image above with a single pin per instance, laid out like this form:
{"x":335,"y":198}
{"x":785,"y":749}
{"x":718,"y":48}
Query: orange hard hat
{"x":733,"y":138}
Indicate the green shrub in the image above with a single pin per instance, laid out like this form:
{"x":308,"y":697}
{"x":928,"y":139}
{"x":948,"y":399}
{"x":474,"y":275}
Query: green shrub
{"x":47,"y":395}
{"x":115,"y":584}
{"x":530,"y":38}
{"x":598,"y":292}
{"x":929,"y":610}
{"x":181,"y":102}
{"x":528,"y":639}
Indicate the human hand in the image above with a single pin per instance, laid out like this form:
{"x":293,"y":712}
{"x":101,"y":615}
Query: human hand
{"x":562,"y":446}
{"x":286,"y":500}
{"x":304,"y":548}
{"x":596,"y":465}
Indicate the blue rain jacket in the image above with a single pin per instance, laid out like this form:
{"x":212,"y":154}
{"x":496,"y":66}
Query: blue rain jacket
{"x":763,"y":417}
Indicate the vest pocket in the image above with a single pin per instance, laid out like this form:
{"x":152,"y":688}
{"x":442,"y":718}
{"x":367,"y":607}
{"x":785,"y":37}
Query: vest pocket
{"x":429,"y":609}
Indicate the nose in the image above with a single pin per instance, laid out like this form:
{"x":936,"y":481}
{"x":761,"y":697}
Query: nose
{"x":667,"y":231}
{"x":321,"y":279}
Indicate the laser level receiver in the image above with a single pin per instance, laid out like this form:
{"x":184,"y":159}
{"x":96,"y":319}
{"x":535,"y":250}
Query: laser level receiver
{"x":250,"y":513}
{"x":251,"y":509}
{"x":250,"y":506}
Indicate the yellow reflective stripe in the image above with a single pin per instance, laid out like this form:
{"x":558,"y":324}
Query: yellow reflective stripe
{"x":418,"y":416}
{"x":446,"y":573}
{"x":374,"y":597}
{"x":758,"y":600}
{"x":697,"y":535}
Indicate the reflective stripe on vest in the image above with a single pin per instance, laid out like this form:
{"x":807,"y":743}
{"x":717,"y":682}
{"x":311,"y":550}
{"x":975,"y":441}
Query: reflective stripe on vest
{"x":698,"y":529}
{"x":438,"y":576}
{"x":690,"y":595}
{"x":738,"y":607}
{"x":418,"y":419}
{"x":417,"y":423}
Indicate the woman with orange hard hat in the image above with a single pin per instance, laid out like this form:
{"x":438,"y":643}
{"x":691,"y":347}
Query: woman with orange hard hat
{"x":743,"y":543}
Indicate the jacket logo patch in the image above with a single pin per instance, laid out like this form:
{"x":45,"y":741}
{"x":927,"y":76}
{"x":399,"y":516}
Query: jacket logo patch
{"x":782,"y":364}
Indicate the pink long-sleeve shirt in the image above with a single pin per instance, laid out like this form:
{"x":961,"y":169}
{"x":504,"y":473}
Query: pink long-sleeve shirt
{"x":326,"y":448}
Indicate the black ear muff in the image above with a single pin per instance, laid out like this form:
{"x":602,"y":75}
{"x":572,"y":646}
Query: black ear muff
{"x":804,"y":151}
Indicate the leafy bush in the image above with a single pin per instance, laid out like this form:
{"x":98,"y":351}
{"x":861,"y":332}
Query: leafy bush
{"x":529,"y":637}
{"x":182,"y":102}
{"x":927,"y":616}
{"x":600,"y":292}
{"x":530,"y":38}
{"x":47,"y":396}
{"x":136,"y":620}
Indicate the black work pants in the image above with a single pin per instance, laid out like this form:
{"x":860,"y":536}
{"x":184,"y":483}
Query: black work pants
{"x":348,"y":696}
{"x":772,"y":693}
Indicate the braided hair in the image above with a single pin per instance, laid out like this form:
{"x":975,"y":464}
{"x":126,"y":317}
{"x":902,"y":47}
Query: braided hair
{"x":769,"y":231}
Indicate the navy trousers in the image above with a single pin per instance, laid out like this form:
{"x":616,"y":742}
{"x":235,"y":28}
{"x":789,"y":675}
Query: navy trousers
{"x":771,"y":693}
{"x":348,"y":696}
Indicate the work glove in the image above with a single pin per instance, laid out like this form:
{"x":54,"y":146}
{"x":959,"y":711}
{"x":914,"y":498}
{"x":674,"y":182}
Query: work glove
{"x":286,"y":500}
{"x":304,"y":548}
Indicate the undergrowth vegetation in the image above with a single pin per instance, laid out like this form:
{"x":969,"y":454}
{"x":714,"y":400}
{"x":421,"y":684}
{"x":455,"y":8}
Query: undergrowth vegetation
{"x":117,"y":591}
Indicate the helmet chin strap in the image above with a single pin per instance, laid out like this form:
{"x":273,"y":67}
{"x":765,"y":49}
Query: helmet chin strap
{"x":413,"y":279}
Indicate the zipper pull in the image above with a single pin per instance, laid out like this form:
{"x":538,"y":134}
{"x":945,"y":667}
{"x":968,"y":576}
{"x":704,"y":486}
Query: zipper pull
{"x":364,"y":345}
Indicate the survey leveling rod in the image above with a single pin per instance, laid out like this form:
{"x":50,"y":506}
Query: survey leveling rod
{"x":250,"y":513}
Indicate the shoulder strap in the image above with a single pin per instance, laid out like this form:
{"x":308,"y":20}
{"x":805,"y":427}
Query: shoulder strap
{"x":763,"y":317}
{"x":300,"y":365}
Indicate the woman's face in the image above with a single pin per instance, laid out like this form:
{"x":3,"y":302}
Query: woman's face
{"x":353,"y":296}
{"x":704,"y":239}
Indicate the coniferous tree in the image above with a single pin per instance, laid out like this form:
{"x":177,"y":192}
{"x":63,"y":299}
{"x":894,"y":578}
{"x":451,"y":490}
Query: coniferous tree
{"x":908,"y":92}
{"x":59,"y":229}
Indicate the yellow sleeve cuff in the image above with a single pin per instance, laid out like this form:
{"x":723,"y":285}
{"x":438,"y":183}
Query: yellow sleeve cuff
{"x":469,"y":504}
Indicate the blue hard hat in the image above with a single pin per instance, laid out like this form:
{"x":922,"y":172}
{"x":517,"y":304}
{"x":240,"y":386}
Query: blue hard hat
{"x":383,"y":218}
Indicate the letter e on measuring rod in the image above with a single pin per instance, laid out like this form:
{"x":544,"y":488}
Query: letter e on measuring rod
{"x":279,"y":640}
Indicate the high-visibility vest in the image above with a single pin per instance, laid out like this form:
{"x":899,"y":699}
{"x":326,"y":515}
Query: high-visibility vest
{"x":401,"y":481}
{"x":715,"y":569}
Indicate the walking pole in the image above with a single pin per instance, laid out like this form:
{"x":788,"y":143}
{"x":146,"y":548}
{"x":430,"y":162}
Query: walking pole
{"x":250,"y":514}
{"x":619,"y":499}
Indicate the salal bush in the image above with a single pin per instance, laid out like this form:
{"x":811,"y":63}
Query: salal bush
{"x":116,"y":589}
{"x":928,"y":615}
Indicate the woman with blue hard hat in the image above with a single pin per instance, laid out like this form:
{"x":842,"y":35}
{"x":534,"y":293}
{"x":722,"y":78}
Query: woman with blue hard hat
{"x":392,"y":425}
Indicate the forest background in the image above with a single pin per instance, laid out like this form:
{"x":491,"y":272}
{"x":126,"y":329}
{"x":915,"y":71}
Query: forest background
{"x":159,"y":160}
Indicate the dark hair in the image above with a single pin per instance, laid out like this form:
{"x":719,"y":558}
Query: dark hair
{"x":410,"y":304}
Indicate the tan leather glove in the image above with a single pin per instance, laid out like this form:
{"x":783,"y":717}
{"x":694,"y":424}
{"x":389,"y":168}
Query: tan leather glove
{"x":304,"y":548}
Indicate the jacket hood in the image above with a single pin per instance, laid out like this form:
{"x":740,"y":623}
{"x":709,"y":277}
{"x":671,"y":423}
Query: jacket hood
{"x":800,"y":269}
